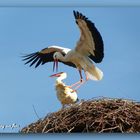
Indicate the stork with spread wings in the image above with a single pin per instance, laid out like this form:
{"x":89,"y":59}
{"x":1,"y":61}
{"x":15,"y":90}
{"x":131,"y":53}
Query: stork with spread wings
{"x":89,"y":48}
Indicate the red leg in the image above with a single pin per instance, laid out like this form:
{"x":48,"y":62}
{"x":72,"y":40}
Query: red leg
{"x":86,"y":76}
{"x":80,"y":72}
{"x":82,"y":82}
{"x":79,"y":82}
{"x":79,"y":85}
{"x":75,"y":84}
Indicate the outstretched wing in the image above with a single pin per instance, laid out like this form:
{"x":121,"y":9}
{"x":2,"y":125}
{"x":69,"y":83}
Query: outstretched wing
{"x":90,"y":43}
{"x":46,"y":55}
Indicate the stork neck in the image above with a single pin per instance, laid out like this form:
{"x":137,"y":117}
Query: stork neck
{"x":59,"y":80}
{"x":61,"y":57}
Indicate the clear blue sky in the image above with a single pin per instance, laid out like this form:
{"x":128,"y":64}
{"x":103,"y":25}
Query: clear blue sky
{"x":26,"y":30}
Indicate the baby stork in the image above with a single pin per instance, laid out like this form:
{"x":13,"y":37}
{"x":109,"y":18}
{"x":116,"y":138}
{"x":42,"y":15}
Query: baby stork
{"x":65,"y":94}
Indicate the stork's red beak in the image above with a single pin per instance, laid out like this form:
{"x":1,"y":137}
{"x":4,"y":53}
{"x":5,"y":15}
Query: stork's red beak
{"x":55,"y":64}
{"x":56,"y":75}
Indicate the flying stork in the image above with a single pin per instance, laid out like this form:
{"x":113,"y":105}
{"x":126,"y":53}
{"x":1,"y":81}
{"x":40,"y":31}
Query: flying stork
{"x":65,"y":94}
{"x":88,"y":48}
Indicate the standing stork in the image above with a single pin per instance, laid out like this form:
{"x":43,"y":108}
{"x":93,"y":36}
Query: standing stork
{"x":65,"y":94}
{"x":89,"y":48}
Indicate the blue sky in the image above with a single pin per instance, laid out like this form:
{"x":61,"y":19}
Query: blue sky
{"x":25,"y":30}
{"x":68,"y":3}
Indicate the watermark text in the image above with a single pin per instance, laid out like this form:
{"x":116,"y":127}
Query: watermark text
{"x":11,"y":126}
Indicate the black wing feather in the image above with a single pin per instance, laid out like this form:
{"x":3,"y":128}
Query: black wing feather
{"x":38,"y":63}
{"x":28,"y":55}
{"x":30,"y":59}
{"x":38,"y":58}
{"x":97,"y":38}
{"x":34,"y":61}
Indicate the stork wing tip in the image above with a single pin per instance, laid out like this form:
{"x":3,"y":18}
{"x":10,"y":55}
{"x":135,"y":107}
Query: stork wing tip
{"x":74,"y":13}
{"x":79,"y":15}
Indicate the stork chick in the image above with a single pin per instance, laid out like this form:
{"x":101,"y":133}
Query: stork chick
{"x":65,"y":94}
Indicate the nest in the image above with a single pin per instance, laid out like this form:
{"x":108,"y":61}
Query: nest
{"x":95,"y":115}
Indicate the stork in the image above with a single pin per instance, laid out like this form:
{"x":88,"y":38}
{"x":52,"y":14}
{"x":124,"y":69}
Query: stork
{"x":65,"y":94}
{"x":89,"y":48}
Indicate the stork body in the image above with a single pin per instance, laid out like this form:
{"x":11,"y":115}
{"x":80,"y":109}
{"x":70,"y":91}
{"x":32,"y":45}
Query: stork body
{"x":89,"y":48}
{"x":82,"y":63}
{"x":65,"y":94}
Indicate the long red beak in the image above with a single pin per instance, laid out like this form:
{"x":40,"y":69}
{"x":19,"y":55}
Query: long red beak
{"x":54,"y":75}
{"x":55,"y":65}
{"x":57,"y":74}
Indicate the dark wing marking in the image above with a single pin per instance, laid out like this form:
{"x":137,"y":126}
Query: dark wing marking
{"x":96,"y":36}
{"x":38,"y":58}
{"x":44,"y":56}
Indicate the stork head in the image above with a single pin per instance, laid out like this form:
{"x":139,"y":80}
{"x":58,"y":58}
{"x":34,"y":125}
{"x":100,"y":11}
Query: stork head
{"x":62,"y":75}
{"x":56,"y":55}
{"x":56,"y":58}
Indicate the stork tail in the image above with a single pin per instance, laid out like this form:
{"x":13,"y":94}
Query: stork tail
{"x":94,"y":74}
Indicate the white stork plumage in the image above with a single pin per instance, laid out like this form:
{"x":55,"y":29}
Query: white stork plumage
{"x":65,"y":94}
{"x":89,"y":48}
